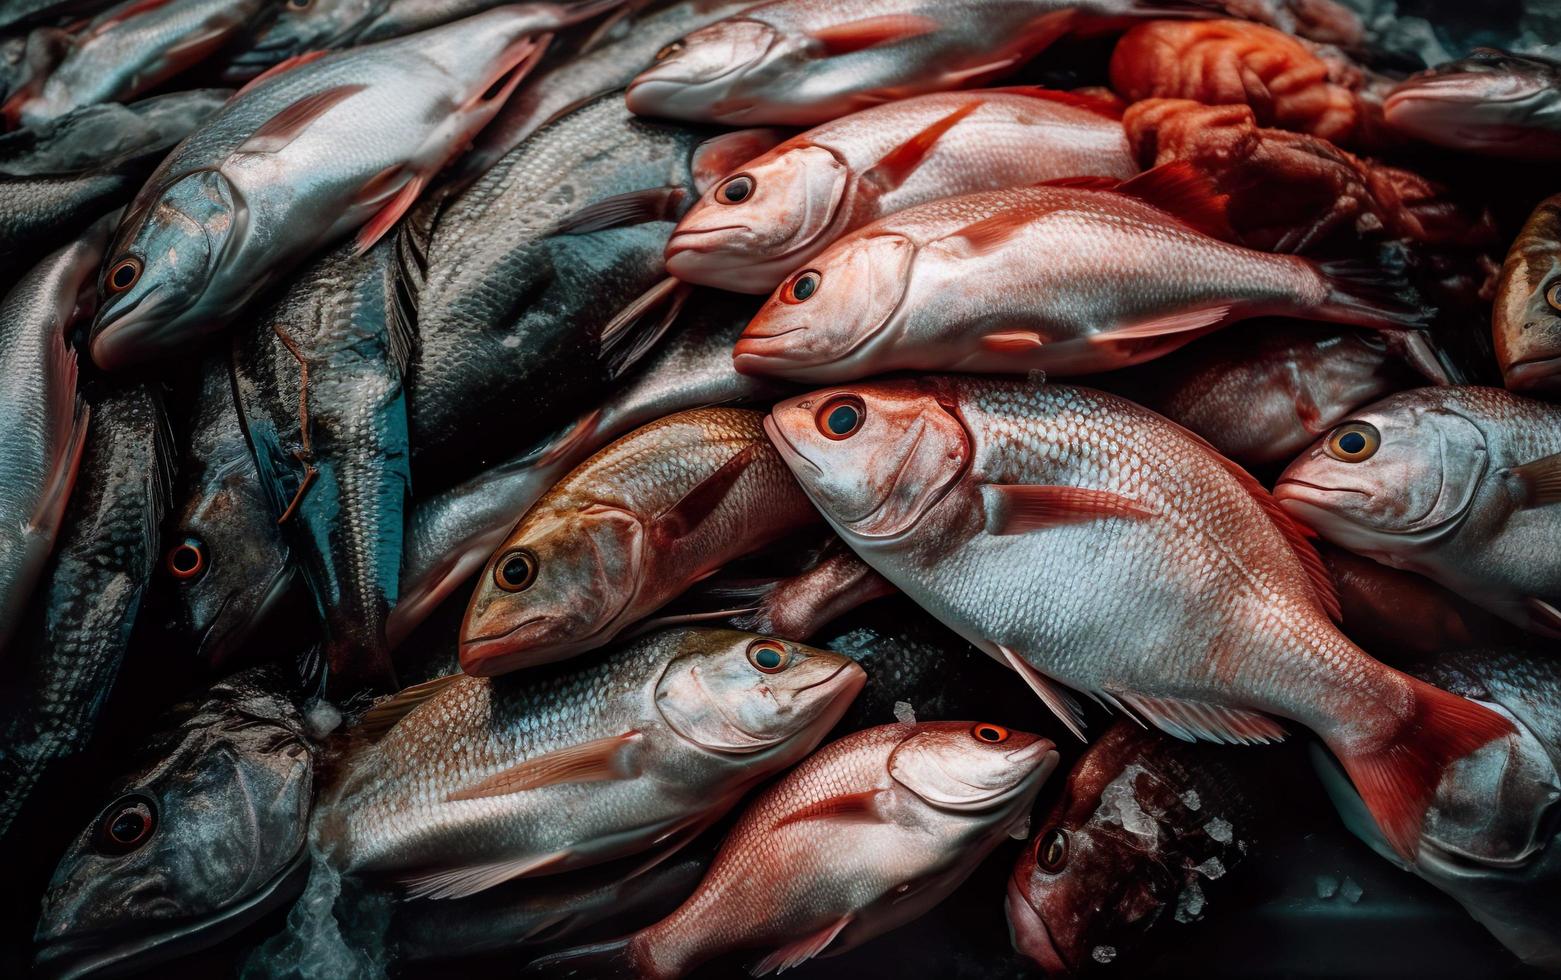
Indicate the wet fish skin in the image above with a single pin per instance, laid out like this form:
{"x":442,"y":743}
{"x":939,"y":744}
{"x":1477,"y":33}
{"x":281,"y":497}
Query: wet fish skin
{"x":1442,"y":491}
{"x":26,"y":11}
{"x":228,"y":787}
{"x":1493,"y":102}
{"x":681,"y":723}
{"x":290,"y":151}
{"x":1527,"y":314}
{"x":844,"y":174}
{"x":629,"y":530}
{"x":919,"y":806}
{"x":78,"y":631}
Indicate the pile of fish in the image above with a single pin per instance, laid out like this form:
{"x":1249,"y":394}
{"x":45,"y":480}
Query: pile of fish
{"x":630,"y":489}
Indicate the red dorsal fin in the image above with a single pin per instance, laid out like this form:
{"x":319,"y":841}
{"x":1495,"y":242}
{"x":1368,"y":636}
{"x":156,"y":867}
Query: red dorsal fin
{"x":1098,"y":104}
{"x":617,"y":757}
{"x":870,"y":32}
{"x":1019,"y":509}
{"x":990,"y":233}
{"x":295,"y":61}
{"x":284,"y":127}
{"x":126,"y":12}
{"x":894,"y":167}
{"x":1540,"y":481}
{"x":861,"y":807}
{"x":804,"y":949}
{"x":1185,"y":193}
{"x":700,"y":501}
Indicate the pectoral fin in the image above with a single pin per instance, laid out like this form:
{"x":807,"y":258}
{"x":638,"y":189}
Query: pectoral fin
{"x":286,"y":126}
{"x":700,"y":501}
{"x":471,"y":879}
{"x":1539,"y":482}
{"x":871,"y":32}
{"x":591,"y":762}
{"x":855,"y":807}
{"x":1022,"y":508}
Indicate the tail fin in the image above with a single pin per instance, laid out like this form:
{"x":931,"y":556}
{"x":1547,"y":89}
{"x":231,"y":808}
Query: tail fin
{"x":1398,"y":781}
{"x":1370,"y":295}
{"x":615,"y":960}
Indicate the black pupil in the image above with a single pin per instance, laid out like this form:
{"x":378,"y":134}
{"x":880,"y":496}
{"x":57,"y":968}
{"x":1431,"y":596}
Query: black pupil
{"x":988,"y":734}
{"x":1352,"y":442}
{"x":186,"y":558}
{"x":128,"y":826}
{"x":804,"y":287}
{"x":842,"y":420}
{"x":768,"y":658}
{"x":124,"y":276}
{"x":516,"y":569}
{"x":737,"y":190}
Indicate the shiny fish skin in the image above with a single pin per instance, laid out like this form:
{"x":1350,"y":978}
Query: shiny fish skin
{"x":1493,"y":102}
{"x":333,"y":453}
{"x":1526,"y":323}
{"x":697,"y":725}
{"x":1439,"y":497}
{"x":24,"y":11}
{"x":629,"y":530}
{"x":826,"y":182}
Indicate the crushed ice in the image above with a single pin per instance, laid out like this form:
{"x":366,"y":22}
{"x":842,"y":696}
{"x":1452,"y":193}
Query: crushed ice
{"x":1211,"y":869}
{"x":1119,"y":798}
{"x":1191,"y":800}
{"x":314,"y":945}
{"x":1327,"y":886}
{"x":1220,"y":829}
{"x":904,"y":713}
{"x":1189,"y":904}
{"x":1103,"y":954}
{"x":1350,"y":891}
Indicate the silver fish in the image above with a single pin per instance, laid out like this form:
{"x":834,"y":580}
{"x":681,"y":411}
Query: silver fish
{"x":1492,"y":102}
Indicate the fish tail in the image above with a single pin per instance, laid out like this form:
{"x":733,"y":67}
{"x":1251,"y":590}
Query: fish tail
{"x":1370,"y":295}
{"x":1398,"y":780}
{"x":619,"y":959}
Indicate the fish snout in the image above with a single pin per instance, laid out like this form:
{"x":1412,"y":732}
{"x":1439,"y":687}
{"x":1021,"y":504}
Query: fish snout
{"x":1028,"y":932}
{"x":1541,"y":375}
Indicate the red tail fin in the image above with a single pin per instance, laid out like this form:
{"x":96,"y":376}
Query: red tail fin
{"x":1398,"y":781}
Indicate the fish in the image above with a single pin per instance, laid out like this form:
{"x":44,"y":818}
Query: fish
{"x":1454,"y":483}
{"x":557,"y":250}
{"x":1490,"y":841}
{"x":629,"y":530}
{"x":481,"y":780}
{"x":281,"y":153}
{"x":1144,"y":825}
{"x":73,"y":641}
{"x":56,"y":179}
{"x":128,"y":50}
{"x":798,"y":606}
{"x":868,"y":834}
{"x":1064,"y":280}
{"x":805,"y":62}
{"x":1526,"y":319}
{"x":15,"y":12}
{"x":203,"y":833}
{"x":318,"y":378}
{"x":779,"y":210}
{"x":1493,"y":103}
{"x":452,"y":534}
{"x":1036,"y":519}
{"x":45,"y":420}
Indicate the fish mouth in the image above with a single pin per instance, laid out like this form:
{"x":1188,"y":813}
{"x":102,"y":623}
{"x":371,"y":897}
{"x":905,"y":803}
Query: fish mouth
{"x":126,"y":950}
{"x":1535,"y":374}
{"x":679,"y":242}
{"x":1028,"y":933}
{"x":1287,"y":488}
{"x":109,"y":346}
{"x":784,"y":445}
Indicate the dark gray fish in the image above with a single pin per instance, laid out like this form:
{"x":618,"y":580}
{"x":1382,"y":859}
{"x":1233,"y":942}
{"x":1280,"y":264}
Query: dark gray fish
{"x":1492,"y":102}
{"x":203,"y":834}
{"x":25,"y":11}
{"x":318,"y":378}
{"x":79,"y":628}
{"x":57,"y":178}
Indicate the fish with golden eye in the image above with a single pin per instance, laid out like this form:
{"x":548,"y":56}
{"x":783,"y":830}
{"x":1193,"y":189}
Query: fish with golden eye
{"x":1060,"y":279}
{"x":201,"y":834}
{"x":77,"y":634}
{"x":1456,"y":483}
{"x":283,"y":169}
{"x":781,"y":209}
{"x":1036,"y":519}
{"x":1494,"y":103}
{"x":625,"y":533}
{"x":1526,"y":321}
{"x":868,"y":834}
{"x":478,"y":780}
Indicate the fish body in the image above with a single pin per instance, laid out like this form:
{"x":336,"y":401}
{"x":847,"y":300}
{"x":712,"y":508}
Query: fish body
{"x":1452,"y":483}
{"x":1056,"y":279}
{"x":1526,"y":322}
{"x":629,"y":530}
{"x":1493,"y":102}
{"x":489,"y":779}
{"x":796,"y":199}
{"x":1036,"y":519}
{"x":866,"y":835}
{"x":203,"y":834}
{"x":319,"y":382}
{"x":293,"y":163}
{"x":800,"y":605}
{"x":25,"y":11}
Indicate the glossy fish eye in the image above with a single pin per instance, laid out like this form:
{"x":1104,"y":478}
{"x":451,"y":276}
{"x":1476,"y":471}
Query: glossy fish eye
{"x":801,"y":287}
{"x":516,"y":571}
{"x":736,"y":190}
{"x":840,"y":417}
{"x":186,"y":560}
{"x":669,"y":51}
{"x":768,"y":656}
{"x":126,"y":824}
{"x":987,"y":732}
{"x":124,"y":274}
{"x":1553,"y":295}
{"x":1353,"y":442}
{"x":300,"y":4}
{"x":1051,"y":853}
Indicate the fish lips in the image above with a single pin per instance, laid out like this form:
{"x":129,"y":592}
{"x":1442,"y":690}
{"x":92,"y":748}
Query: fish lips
{"x":1540,"y":374}
{"x":1028,"y":933}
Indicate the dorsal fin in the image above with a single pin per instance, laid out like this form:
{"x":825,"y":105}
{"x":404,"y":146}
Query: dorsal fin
{"x":1098,"y":104}
{"x":383,"y":716}
{"x":1186,"y":194}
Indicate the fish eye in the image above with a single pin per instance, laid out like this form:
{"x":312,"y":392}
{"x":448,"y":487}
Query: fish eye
{"x":1373,"y":340}
{"x":840,"y":417}
{"x":736,"y":190}
{"x":801,"y":287}
{"x":768,"y":656}
{"x":1553,"y":295}
{"x":987,"y":732}
{"x":1051,"y":854}
{"x":1353,"y":442}
{"x":674,"y":48}
{"x":125,"y":273}
{"x":299,"y":4}
{"x":126,"y":824}
{"x":186,"y":561}
{"x":516,"y":571}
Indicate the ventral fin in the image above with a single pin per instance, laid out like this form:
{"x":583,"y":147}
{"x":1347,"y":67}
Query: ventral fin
{"x":894,"y":167}
{"x":1160,"y":326}
{"x":1185,"y":193}
{"x":804,"y":949}
{"x":1059,"y":701}
{"x":1195,"y":720}
{"x":1022,"y":508}
{"x":703,"y":498}
{"x":721,"y":155}
{"x":469,"y":880}
{"x":871,"y":32}
{"x":383,"y":716}
{"x":391,"y":213}
{"x":989,"y":234}
{"x":1540,"y":481}
{"x":286,"y":126}
{"x":597,"y":761}
{"x":855,"y":807}
{"x":1101,"y":105}
{"x":632,"y":208}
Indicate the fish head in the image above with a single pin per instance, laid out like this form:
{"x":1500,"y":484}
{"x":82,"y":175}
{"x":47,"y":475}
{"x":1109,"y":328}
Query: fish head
{"x":1527,"y":322}
{"x":1490,"y":102}
{"x":877,"y":456}
{"x":821,"y":322}
{"x":304,"y":25}
{"x":1401,"y":471}
{"x":703,"y":76}
{"x":748,"y":231}
{"x":163,"y":260}
{"x":971,"y":768}
{"x":203,"y":835}
{"x":562,"y":584}
{"x":738,"y":693}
